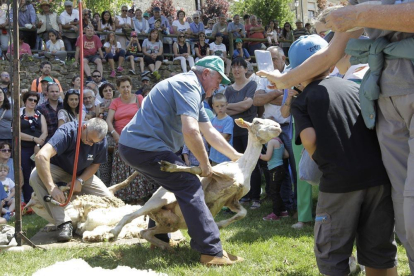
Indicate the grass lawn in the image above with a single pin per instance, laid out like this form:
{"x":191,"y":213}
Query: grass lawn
{"x":270,"y":248}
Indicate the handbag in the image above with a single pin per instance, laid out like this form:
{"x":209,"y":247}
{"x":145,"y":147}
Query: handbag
{"x":308,"y":169}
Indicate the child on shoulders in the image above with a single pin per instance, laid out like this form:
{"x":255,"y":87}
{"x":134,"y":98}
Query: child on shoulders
{"x":224,"y":124}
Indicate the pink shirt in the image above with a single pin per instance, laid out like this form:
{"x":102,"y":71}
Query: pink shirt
{"x":90,"y":46}
{"x":24,"y":49}
{"x":124,"y":112}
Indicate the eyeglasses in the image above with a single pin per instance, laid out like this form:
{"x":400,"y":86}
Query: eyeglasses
{"x":73,"y":91}
{"x":195,"y":17}
{"x":5,"y":75}
{"x":181,"y":36}
{"x":124,"y":10}
{"x":32,"y":100}
{"x":201,"y":36}
{"x":5,"y":150}
{"x":87,"y":139}
{"x":96,"y":76}
{"x":210,"y":23}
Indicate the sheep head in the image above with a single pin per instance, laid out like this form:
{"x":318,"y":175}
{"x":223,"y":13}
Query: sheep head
{"x":261,"y":129}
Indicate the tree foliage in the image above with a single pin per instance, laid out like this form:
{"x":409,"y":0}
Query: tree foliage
{"x":213,"y":8}
{"x":98,"y":6}
{"x":166,"y":6}
{"x":265,"y":9}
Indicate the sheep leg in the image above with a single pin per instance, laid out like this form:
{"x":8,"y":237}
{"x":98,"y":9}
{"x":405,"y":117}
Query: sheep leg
{"x":151,"y":205}
{"x":234,"y":206}
{"x":113,"y":189}
{"x":169,"y":167}
{"x":149,"y":235}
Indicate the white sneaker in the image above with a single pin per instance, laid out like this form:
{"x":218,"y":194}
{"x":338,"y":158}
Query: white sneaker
{"x":298,"y":225}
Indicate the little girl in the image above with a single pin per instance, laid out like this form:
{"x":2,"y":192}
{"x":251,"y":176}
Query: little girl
{"x":274,"y":156}
{"x":55,"y":48}
{"x":271,"y":32}
{"x":9,"y":188}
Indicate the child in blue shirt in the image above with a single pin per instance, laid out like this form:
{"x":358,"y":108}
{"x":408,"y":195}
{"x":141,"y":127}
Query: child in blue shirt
{"x":224,"y":124}
{"x":274,"y":156}
{"x":3,"y":196}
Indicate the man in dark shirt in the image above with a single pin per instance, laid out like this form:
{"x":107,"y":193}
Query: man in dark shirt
{"x":355,"y":193}
{"x":54,"y":163}
{"x":50,"y":109}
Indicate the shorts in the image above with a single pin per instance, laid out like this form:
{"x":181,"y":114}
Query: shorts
{"x":148,"y":60}
{"x":136,"y":58}
{"x":366,"y":216}
{"x":92,"y":58}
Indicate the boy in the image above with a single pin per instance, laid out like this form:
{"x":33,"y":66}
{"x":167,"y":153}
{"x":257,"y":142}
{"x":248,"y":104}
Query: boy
{"x":240,"y":51}
{"x":355,"y":194}
{"x":133,"y":48}
{"x":8,"y":186}
{"x":224,"y":124}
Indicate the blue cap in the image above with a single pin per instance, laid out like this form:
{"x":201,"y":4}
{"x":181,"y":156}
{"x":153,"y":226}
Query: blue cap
{"x":304,"y":47}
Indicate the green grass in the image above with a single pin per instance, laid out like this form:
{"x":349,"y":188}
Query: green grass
{"x":270,"y":248}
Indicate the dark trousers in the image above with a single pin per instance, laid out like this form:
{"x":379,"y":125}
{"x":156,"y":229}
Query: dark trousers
{"x":289,"y":195}
{"x":240,"y":144}
{"x":27,"y":167}
{"x":276,"y":178}
{"x":203,"y":230}
{"x":70,"y":45}
{"x":252,"y":48}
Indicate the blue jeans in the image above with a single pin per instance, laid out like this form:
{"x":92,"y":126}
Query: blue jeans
{"x":120,"y":53}
{"x":203,"y":230}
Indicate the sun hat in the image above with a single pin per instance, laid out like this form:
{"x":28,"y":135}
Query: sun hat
{"x":214,"y":63}
{"x":68,"y":4}
{"x":304,"y":47}
{"x":44,"y":2}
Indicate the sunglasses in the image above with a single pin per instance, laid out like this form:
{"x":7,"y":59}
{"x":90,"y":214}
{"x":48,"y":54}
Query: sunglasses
{"x":124,"y":10}
{"x":195,"y":17}
{"x":201,"y":36}
{"x":5,"y":75}
{"x":210,"y":23}
{"x":73,"y":91}
{"x":96,"y":76}
{"x":32,"y":100}
{"x":181,"y":36}
{"x":5,"y":150}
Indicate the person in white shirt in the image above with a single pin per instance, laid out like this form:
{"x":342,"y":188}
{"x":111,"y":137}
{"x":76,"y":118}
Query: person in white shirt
{"x":180,"y":25}
{"x":55,"y":48}
{"x":70,"y":21}
{"x":141,"y":25}
{"x":217,"y":48}
{"x":123,"y":22}
{"x":114,"y":52}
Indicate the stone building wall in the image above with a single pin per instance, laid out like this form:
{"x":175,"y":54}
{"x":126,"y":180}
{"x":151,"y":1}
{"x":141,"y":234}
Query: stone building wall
{"x":30,"y":70}
{"x":189,"y":6}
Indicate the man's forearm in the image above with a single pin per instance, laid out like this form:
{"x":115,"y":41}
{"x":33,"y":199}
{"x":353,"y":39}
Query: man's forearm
{"x":43,"y":170}
{"x":194,"y":142}
{"x":217,"y":141}
{"x":261,"y":98}
{"x":239,"y":107}
{"x":89,"y":171}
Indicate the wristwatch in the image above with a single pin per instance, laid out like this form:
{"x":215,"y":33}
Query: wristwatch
{"x":38,"y":145}
{"x":80,"y":180}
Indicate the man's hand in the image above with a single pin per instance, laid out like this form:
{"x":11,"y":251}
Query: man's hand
{"x":343,"y":19}
{"x":206,"y":170}
{"x":77,"y":188}
{"x":274,"y":77}
{"x":57,"y":194}
{"x":236,"y":156}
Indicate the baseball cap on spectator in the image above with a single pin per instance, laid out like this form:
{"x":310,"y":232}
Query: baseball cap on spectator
{"x":304,"y":47}
{"x":156,"y":9}
{"x":47,"y":79}
{"x":238,"y":40}
{"x":214,"y":63}
{"x":219,"y":34}
{"x":146,"y":14}
{"x":134,"y":34}
{"x":145,"y":79}
{"x":68,"y":4}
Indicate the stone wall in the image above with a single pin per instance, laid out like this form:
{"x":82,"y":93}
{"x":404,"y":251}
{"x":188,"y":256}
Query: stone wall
{"x":30,"y":70}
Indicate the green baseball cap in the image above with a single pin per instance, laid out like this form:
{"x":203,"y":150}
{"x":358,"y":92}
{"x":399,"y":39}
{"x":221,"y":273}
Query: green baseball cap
{"x":47,"y":79}
{"x":238,"y":40}
{"x":145,"y":14}
{"x":214,"y":63}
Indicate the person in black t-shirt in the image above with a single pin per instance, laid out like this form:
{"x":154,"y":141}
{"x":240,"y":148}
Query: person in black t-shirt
{"x":355,"y":193}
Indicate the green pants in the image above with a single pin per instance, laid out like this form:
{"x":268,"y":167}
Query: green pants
{"x":304,"y":200}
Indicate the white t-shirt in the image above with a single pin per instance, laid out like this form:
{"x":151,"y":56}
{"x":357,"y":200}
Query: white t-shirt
{"x":123,"y":21}
{"x":152,"y":47}
{"x":3,"y":16}
{"x":218,"y":50}
{"x":181,"y":27}
{"x":55,"y":47}
{"x":8,"y":185}
{"x":65,"y":18}
{"x":113,"y":48}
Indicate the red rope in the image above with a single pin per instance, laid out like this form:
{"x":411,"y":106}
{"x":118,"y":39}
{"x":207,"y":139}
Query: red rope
{"x":78,"y":138}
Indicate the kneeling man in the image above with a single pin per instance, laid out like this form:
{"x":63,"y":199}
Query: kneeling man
{"x":54,"y":163}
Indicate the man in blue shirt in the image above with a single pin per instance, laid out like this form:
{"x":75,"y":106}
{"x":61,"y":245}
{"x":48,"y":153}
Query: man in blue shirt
{"x":26,"y":17}
{"x":236,"y":27}
{"x":173,"y":113}
{"x":54,"y":163}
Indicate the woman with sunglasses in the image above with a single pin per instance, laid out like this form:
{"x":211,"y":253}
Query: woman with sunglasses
{"x":287,"y":34}
{"x":201,"y":47}
{"x":123,"y":23}
{"x":106,"y":91}
{"x":6,"y":117}
{"x":70,"y":110}
{"x":86,"y":19}
{"x":182,"y":52}
{"x":5,"y":158}
{"x":33,"y":132}
{"x":106,"y":24}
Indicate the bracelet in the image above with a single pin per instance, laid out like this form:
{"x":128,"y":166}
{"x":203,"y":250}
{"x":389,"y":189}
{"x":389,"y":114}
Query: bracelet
{"x":38,"y":145}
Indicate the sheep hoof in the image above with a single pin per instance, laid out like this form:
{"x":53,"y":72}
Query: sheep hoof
{"x":113,"y":235}
{"x":167,"y":166}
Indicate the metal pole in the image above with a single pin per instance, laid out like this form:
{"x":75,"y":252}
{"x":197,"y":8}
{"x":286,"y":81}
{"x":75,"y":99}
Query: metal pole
{"x":16,"y":121}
